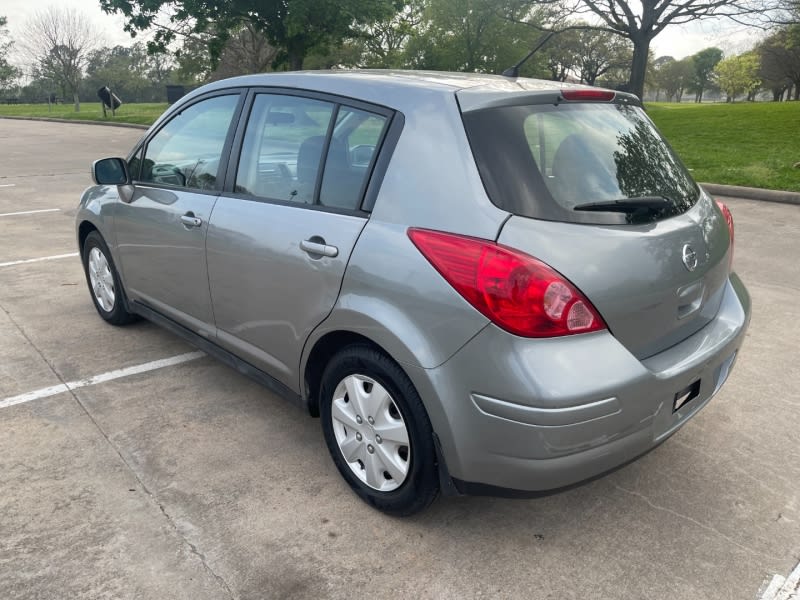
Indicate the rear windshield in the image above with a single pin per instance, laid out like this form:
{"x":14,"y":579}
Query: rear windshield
{"x":543,"y":161}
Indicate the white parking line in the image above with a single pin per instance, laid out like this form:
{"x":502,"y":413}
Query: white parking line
{"x":29,"y":212}
{"x":74,"y":385}
{"x":33,"y":260}
{"x":783,"y":588}
{"x":8,"y":184}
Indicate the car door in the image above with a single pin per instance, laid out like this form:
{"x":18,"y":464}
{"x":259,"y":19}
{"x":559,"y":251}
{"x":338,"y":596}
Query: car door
{"x":279,"y":241}
{"x":161,"y":230}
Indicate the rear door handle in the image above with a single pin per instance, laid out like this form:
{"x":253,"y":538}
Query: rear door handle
{"x":190,"y":220}
{"x":315,"y":248}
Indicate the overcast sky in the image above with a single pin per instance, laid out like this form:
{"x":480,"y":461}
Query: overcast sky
{"x":677,"y":41}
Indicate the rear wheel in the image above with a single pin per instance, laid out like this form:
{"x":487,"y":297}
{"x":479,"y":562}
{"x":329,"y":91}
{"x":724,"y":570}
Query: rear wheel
{"x":103,"y":280}
{"x":377,"y":431}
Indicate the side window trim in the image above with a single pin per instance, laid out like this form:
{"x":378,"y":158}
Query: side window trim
{"x":377,"y":166}
{"x":323,"y":159}
{"x":380,"y":161}
{"x":226,"y":148}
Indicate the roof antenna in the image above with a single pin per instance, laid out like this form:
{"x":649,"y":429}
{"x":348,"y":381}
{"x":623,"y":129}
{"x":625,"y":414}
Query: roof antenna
{"x":514,"y":71}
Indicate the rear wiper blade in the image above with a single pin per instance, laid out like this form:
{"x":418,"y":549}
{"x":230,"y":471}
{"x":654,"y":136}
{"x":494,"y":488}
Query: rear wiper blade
{"x":628,"y":205}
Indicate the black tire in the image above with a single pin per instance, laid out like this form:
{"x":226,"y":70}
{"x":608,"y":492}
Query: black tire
{"x":118,"y":313}
{"x":421,"y":484}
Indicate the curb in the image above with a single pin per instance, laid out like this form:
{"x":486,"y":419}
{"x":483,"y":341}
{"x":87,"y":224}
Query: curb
{"x":735,"y":191}
{"x":77,"y":121}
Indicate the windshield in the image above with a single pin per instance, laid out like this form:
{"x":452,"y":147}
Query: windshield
{"x":543,"y":161}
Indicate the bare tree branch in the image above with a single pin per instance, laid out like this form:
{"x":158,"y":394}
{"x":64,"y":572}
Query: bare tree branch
{"x":56,"y":43}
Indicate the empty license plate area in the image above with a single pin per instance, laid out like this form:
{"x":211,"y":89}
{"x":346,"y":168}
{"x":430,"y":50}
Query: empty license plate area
{"x":686,"y":395}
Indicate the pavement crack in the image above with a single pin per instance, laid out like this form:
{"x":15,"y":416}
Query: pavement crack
{"x":192,"y":547}
{"x":693,"y":521}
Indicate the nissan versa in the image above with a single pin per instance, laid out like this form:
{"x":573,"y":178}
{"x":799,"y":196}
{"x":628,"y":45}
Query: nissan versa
{"x":480,"y":284}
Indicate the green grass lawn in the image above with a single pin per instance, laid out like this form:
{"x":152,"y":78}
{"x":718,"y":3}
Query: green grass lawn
{"x":141,"y":114}
{"x":750,"y":144}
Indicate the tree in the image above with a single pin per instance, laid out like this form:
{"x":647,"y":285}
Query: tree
{"x":467,"y":35}
{"x":57,"y":42}
{"x":738,"y":74}
{"x":295,"y":27}
{"x":247,"y":51}
{"x":674,"y":76}
{"x":8,"y":72}
{"x":704,"y":63}
{"x":780,"y":61}
{"x":384,"y":43}
{"x":640,"y":21}
{"x":599,"y":52}
{"x":130,"y":72}
{"x":562,"y":55}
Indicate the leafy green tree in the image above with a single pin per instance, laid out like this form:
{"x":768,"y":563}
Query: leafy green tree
{"x":121,"y":68}
{"x":674,"y":77}
{"x":470,"y":36}
{"x":738,"y":74}
{"x":384,"y":43}
{"x":704,"y":63}
{"x":295,"y":27}
{"x":780,"y":61}
{"x":561,"y":55}
{"x":8,"y":72}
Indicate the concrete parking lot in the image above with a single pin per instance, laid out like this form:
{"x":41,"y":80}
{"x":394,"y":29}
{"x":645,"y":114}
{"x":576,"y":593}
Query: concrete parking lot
{"x":191,"y":481}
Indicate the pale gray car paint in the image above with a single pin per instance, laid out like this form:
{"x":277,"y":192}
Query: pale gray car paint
{"x":634,"y":274}
{"x":162,"y":259}
{"x":510,"y":412}
{"x":269,"y":294}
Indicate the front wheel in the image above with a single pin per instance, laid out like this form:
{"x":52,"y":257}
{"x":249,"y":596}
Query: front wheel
{"x":378,"y":432}
{"x":103,"y":280}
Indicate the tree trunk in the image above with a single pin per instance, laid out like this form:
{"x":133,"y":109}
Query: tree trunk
{"x":296,"y":61}
{"x":641,"y":47}
{"x":77,"y":101}
{"x":296,"y":51}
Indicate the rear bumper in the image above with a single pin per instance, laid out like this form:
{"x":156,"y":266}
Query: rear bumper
{"x":537,"y":415}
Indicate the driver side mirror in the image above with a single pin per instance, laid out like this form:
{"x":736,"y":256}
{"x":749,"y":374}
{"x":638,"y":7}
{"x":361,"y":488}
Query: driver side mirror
{"x":111,"y":171}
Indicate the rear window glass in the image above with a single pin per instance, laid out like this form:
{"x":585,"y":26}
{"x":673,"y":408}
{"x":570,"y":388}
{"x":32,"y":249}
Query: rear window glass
{"x":551,"y":161}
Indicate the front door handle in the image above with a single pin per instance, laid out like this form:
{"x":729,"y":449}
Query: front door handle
{"x":189,"y":220}
{"x":318,"y":248}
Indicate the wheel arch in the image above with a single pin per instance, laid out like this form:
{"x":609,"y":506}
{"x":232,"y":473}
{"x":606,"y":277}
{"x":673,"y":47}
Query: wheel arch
{"x":84,"y":229}
{"x":317,"y":358}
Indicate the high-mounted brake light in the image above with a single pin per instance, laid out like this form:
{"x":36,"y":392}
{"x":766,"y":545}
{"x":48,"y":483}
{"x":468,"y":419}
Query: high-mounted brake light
{"x":726,"y":212}
{"x":588,"y":95}
{"x":516,"y":291}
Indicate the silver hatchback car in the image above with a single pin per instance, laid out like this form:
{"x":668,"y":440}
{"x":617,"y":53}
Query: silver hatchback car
{"x":480,"y":284}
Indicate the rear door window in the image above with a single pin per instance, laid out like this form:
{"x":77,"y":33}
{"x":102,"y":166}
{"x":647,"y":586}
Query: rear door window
{"x":283,"y":146}
{"x":294,"y":152}
{"x":352,"y":149}
{"x":547,"y":161}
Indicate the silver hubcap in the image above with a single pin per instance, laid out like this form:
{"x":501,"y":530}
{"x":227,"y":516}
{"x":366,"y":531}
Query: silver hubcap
{"x":101,"y":279}
{"x":371,"y":433}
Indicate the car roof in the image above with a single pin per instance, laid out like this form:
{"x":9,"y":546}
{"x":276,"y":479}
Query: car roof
{"x":431,"y":80}
{"x":403,"y":90}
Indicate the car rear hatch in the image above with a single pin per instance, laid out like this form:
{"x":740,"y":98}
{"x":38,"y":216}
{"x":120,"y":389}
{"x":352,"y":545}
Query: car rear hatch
{"x":596,"y":193}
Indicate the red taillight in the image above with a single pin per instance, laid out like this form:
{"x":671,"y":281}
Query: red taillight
{"x":726,"y":212}
{"x":516,"y":291}
{"x":588,"y":95}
